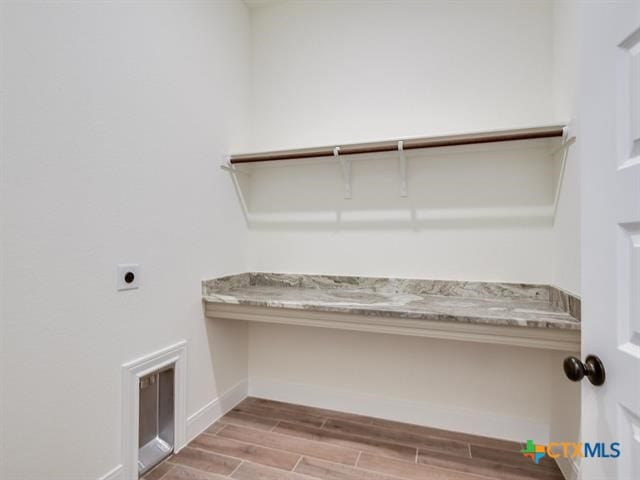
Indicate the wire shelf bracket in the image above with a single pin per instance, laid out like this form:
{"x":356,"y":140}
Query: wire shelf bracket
{"x":567,"y":141}
{"x":345,"y":164}
{"x":403,"y":170}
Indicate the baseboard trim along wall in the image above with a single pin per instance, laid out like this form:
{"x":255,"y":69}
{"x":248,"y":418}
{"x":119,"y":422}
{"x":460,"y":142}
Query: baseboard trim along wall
{"x":420,"y":413}
{"x":216,"y":408}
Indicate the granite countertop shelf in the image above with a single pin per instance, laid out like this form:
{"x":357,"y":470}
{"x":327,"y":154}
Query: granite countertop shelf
{"x":537,"y":316}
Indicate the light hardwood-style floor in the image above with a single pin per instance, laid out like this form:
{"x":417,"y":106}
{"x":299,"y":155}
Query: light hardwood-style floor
{"x":268,"y":440}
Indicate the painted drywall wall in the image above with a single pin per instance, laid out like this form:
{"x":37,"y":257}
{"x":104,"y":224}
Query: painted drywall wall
{"x":468,"y":387}
{"x":328,"y":73}
{"x":109,"y":156}
{"x":470,"y":214}
{"x":565,"y":399}
{"x":337,"y":72}
{"x":565,"y":243}
{"x":566,"y":233}
{"x":113,"y":116}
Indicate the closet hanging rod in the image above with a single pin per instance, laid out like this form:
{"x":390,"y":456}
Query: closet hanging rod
{"x":408,"y":144}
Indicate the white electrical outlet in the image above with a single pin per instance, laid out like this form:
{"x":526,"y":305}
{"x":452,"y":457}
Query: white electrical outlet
{"x":128,"y":276}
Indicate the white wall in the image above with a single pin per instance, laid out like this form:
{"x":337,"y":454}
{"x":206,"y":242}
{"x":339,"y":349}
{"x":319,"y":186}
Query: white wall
{"x":332,"y":72}
{"x":565,"y":414}
{"x":470,"y":215}
{"x":566,"y":235}
{"x":565,"y":243}
{"x":114,"y":116}
{"x":337,"y":72}
{"x":467,"y":387}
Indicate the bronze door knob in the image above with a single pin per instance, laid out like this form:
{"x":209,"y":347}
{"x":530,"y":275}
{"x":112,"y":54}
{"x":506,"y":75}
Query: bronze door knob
{"x":592,"y":368}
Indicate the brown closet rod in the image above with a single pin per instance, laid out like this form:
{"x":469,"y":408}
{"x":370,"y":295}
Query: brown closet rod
{"x":410,"y":144}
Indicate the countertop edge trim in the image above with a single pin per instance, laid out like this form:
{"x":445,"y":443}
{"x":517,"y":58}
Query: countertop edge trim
{"x":543,"y":338}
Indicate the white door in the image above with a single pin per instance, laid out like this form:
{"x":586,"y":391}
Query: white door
{"x":609,"y":144}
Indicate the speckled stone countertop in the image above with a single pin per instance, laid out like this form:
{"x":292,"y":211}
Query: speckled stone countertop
{"x":506,"y":304}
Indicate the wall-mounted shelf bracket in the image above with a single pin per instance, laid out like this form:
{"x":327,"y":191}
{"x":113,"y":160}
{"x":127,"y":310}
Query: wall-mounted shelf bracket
{"x":228,"y":167}
{"x":345,"y":163}
{"x":563,"y":148}
{"x":403,"y":169}
{"x":567,"y":141}
{"x":233,"y":171}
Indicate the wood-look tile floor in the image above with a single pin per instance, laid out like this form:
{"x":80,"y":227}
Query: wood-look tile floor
{"x":267,"y":440}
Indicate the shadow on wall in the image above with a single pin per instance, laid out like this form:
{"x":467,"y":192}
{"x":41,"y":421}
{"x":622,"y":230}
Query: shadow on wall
{"x":228,"y":344}
{"x":510,"y":184}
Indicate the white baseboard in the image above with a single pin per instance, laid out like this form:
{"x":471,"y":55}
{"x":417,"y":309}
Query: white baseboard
{"x":216,"y":408}
{"x":569,"y":468}
{"x":115,"y":474}
{"x":419,"y":413}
